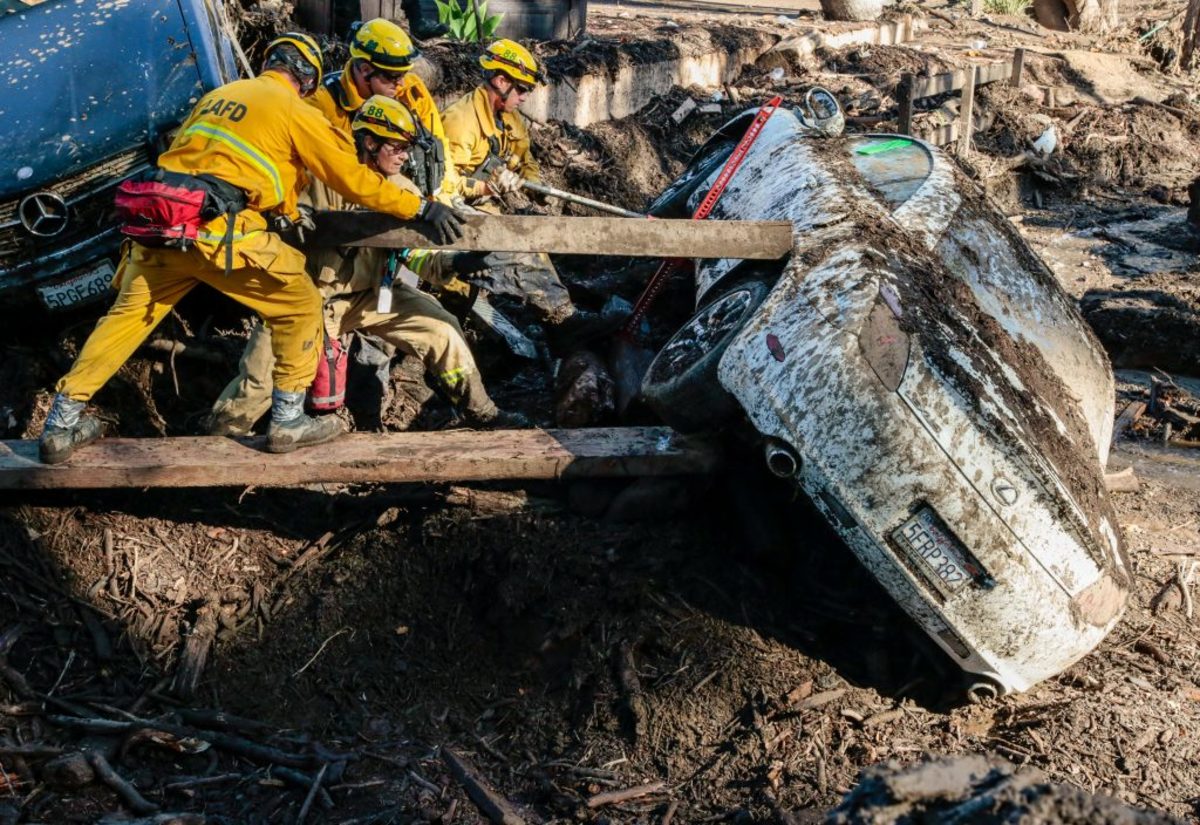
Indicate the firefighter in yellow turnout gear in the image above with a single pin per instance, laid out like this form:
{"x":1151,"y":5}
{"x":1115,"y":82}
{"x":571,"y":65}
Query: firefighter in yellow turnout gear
{"x":491,"y":151}
{"x":350,"y":285}
{"x":381,"y":62}
{"x":256,"y":135}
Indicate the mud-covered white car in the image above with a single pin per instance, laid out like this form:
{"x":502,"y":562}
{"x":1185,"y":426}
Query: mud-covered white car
{"x":916,"y":370}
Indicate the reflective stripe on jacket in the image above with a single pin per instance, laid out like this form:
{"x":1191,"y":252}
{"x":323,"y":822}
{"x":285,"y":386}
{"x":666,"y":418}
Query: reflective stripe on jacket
{"x":259,"y":135}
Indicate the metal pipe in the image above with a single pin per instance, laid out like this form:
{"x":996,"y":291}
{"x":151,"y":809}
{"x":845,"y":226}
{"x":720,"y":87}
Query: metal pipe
{"x":550,"y":191}
{"x":782,"y":460}
{"x":982,"y":691}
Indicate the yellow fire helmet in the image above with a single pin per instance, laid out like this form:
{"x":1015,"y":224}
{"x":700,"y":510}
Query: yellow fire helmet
{"x":387,"y":119}
{"x":299,"y":55}
{"x":514,"y":60}
{"x":384,"y":45}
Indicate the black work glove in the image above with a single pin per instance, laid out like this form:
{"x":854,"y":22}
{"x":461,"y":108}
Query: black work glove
{"x":447,"y":224}
{"x":469,"y":266}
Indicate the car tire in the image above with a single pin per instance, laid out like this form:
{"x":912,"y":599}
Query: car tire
{"x":681,"y":384}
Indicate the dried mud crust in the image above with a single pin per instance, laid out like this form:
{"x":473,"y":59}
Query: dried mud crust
{"x":978,"y":789}
{"x":942,"y":313}
{"x":503,"y":632}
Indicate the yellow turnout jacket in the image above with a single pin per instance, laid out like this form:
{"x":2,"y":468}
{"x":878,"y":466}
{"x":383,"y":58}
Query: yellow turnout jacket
{"x":260,"y":135}
{"x":342,"y":101}
{"x":472,"y":126}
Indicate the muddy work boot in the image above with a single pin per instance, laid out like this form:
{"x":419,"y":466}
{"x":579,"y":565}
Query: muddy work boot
{"x":66,"y":429}
{"x":480,"y":411}
{"x":290,"y":428}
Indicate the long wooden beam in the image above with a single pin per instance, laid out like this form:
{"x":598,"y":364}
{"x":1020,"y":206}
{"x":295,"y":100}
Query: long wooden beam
{"x":453,"y":455}
{"x":627,"y":237}
{"x":940,"y":84}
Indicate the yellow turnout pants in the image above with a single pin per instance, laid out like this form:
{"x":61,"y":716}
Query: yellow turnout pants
{"x":152,"y":281}
{"x":417,"y":325}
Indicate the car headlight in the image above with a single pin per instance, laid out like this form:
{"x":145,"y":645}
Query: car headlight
{"x":885,"y":346}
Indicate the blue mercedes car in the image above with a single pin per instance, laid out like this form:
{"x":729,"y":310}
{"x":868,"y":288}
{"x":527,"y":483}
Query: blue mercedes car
{"x":89,"y":94}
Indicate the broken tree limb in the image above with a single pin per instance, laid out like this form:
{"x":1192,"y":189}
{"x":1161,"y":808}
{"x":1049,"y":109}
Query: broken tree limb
{"x":761,"y":240}
{"x":495,"y":807}
{"x":129,"y":794}
{"x":233,"y":744}
{"x":198,"y":642}
{"x":454,"y":455}
{"x":624,"y":795}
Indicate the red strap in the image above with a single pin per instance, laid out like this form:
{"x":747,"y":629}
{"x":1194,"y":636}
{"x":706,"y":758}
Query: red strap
{"x":656,"y":283}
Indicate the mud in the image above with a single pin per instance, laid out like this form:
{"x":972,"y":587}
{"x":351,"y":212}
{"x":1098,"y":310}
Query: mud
{"x":981,"y":790}
{"x":364,"y":627}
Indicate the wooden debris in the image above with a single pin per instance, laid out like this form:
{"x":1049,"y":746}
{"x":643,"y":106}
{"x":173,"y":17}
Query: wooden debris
{"x":632,"y":705}
{"x":129,"y":794}
{"x":615,"y":797}
{"x":197,"y":643}
{"x":312,"y":794}
{"x":883,"y":717}
{"x":453,"y":456}
{"x":664,"y":238}
{"x":491,"y":804}
{"x":157,"y":819}
{"x":685,"y":109}
{"x":819,"y":699}
{"x":1122,"y":481}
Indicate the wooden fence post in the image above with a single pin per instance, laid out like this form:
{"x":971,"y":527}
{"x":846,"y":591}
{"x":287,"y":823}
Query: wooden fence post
{"x":1018,"y":68}
{"x":1191,"y":36}
{"x":966,"y":115}
{"x":904,"y":96}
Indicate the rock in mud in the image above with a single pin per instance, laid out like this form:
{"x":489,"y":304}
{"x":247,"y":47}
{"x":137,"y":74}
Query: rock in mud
{"x":984,"y":790}
{"x":583,"y":391}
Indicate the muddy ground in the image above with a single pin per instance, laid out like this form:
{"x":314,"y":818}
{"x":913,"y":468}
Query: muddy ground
{"x":740,"y":665}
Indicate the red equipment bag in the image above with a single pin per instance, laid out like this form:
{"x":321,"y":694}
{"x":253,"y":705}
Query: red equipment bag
{"x":161,"y":208}
{"x":328,"y":390}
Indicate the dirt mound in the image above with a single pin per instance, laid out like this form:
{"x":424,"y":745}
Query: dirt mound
{"x":978,"y":789}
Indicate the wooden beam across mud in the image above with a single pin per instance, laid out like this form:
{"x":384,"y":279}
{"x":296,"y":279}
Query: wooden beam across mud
{"x":627,"y":237}
{"x":453,"y":455}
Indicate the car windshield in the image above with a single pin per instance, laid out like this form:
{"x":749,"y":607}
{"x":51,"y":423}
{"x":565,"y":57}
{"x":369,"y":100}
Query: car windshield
{"x":894,"y":166}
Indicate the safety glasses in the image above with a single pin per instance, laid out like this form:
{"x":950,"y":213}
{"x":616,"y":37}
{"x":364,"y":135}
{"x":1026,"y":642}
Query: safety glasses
{"x":393,"y":78}
{"x":522,"y":88}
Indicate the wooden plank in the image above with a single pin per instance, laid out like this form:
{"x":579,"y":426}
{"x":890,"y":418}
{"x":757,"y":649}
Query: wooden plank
{"x":953,"y":81}
{"x":1018,"y":68}
{"x":966,"y":116}
{"x":453,"y":455}
{"x":761,"y":240}
{"x":1128,"y":417}
{"x":904,"y":96}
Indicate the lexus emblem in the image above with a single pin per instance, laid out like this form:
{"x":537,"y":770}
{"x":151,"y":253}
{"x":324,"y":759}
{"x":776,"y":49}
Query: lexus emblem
{"x":1003,"y":489}
{"x":43,"y":214}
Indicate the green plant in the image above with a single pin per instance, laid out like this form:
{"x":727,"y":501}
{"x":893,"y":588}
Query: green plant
{"x":1017,"y":7}
{"x":468,"y":20}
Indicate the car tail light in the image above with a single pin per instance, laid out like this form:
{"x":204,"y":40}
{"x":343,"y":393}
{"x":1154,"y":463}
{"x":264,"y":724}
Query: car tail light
{"x":884,"y":345}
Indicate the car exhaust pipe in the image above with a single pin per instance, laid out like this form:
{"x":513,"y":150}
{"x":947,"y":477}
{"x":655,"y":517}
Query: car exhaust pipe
{"x":982,"y":691}
{"x":782,"y":460}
